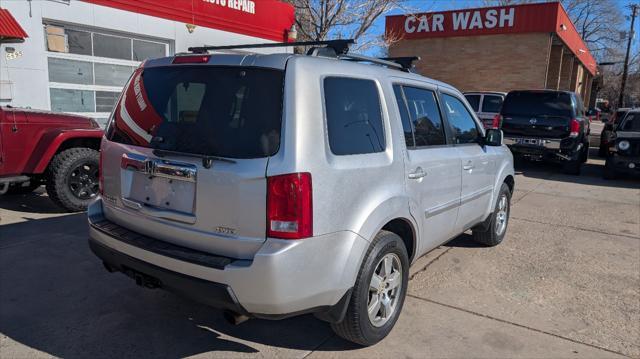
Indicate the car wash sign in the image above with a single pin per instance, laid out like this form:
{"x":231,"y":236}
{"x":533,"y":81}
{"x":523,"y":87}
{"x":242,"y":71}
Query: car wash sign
{"x":469,"y":22}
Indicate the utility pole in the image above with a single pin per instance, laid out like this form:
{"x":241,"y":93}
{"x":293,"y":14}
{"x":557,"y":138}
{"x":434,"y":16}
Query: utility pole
{"x":625,"y":71}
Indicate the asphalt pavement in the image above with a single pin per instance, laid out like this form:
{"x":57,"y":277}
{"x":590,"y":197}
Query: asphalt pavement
{"x":564,"y":283}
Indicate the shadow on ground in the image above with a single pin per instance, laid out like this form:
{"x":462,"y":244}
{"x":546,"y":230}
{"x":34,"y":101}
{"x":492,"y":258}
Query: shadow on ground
{"x":57,"y":298}
{"x":34,"y":202}
{"x":591,"y":173}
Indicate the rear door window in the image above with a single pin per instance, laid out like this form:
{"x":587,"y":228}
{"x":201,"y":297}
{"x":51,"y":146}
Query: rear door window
{"x":462,"y":123}
{"x":230,"y":112}
{"x":491,"y":103}
{"x":425,"y":117}
{"x":354,"y":116}
{"x":474,"y":101}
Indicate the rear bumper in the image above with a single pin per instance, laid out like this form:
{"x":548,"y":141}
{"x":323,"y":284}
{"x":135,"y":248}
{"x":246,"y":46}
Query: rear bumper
{"x":552,"y":149}
{"x":284,"y":278}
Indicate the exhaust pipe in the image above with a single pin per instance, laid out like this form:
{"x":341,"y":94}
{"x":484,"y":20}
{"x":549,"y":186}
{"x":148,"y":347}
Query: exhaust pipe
{"x":234,"y":318}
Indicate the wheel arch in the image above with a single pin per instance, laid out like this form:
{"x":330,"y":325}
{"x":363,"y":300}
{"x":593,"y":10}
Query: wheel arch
{"x":53,"y":143}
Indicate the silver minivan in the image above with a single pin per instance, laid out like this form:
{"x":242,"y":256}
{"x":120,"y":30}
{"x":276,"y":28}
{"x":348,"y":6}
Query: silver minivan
{"x":277,"y":185}
{"x":487,"y":105}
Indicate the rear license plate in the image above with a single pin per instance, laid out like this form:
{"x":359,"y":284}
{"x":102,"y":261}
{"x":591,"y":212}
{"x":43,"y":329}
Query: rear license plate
{"x":162,"y":192}
{"x":530,"y":141}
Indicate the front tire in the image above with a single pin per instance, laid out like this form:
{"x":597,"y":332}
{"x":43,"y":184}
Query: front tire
{"x":609,"y":172}
{"x":378,"y":295}
{"x":73,"y":178}
{"x":493,"y":233}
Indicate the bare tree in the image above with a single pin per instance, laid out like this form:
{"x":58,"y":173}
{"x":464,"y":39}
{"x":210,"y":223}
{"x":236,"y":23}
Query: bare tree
{"x":598,"y":22}
{"x":324,"y":19}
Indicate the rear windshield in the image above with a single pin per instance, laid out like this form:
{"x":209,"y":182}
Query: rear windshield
{"x":217,"y":111}
{"x":631,"y":123}
{"x":537,"y":104}
{"x":491,"y":103}
{"x":474,"y":101}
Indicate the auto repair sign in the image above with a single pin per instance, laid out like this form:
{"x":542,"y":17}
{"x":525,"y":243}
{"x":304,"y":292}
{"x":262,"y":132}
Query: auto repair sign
{"x":468,"y":22}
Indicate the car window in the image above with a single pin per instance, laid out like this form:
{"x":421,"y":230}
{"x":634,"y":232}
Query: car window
{"x":620,"y":116}
{"x":631,"y":122}
{"x":404,"y":116}
{"x":474,"y":101}
{"x":425,"y":117}
{"x":461,"y":121}
{"x":491,"y":103}
{"x":537,"y":103}
{"x":216,"y":111}
{"x":354,"y":116}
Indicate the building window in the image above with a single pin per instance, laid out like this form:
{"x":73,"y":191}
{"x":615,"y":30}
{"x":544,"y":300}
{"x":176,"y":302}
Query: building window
{"x":87,"y":69}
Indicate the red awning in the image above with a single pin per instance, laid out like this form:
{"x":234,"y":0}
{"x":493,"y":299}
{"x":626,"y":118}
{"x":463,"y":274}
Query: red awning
{"x":10,"y":30}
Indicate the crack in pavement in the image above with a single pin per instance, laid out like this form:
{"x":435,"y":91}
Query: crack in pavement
{"x":576,"y":228}
{"x":431,"y":262}
{"x":516,"y":324}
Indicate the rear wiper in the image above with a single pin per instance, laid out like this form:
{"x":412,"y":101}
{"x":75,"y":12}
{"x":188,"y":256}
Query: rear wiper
{"x":207,"y":161}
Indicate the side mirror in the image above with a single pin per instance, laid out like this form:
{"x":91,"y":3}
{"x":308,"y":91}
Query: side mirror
{"x":493,"y":137}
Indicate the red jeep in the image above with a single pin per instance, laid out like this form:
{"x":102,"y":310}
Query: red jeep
{"x":58,"y":150}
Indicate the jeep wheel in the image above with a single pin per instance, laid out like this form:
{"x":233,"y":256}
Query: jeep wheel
{"x":378,"y":295}
{"x":603,"y":151}
{"x":609,"y":172}
{"x":73,"y":178}
{"x":493,"y":233}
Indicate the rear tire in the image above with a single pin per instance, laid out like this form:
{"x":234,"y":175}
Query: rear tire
{"x":73,"y":178}
{"x":573,"y":167}
{"x":494,"y":232}
{"x":584,"y":156}
{"x":383,"y":300}
{"x":609,"y":172}
{"x":603,"y":151}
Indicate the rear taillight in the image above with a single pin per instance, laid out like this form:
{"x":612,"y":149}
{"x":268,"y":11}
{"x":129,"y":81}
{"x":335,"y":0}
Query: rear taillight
{"x":574,"y":128}
{"x":100,"y":176}
{"x":495,"y":123}
{"x":289,"y":206}
{"x":199,"y":59}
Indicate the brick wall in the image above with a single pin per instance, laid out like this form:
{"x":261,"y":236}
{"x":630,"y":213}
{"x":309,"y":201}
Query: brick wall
{"x":492,"y":62}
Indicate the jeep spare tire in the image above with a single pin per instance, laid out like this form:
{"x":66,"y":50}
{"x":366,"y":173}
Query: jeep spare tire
{"x":73,"y":178}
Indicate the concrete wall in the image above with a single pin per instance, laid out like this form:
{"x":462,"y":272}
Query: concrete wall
{"x":492,"y":62}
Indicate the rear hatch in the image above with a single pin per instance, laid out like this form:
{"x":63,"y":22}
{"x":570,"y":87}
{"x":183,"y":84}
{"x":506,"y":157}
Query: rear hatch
{"x":537,"y":114}
{"x":186,"y":155}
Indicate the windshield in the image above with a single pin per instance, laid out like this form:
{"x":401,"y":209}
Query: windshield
{"x":524,"y":103}
{"x":631,"y":123}
{"x":217,"y":111}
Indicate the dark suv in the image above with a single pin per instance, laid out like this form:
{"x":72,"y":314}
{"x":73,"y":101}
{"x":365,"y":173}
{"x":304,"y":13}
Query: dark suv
{"x":546,"y":125}
{"x":624,"y":150}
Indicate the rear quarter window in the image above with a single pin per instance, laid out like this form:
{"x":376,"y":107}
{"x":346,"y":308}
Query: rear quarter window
{"x":354,"y":116}
{"x":474,"y":101}
{"x":491,"y":103}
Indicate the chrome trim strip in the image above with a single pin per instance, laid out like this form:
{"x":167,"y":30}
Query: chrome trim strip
{"x":159,"y":168}
{"x":475,"y":195}
{"x":433,"y":211}
{"x":628,"y":134}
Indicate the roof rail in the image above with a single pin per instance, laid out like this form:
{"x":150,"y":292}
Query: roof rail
{"x":340,"y":47}
{"x":374,"y":60}
{"x":407,"y":62}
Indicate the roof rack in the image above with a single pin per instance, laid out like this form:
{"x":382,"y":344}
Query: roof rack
{"x":340,"y":47}
{"x":332,"y":48}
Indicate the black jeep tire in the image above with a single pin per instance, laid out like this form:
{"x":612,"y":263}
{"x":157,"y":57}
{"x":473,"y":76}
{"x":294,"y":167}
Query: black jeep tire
{"x":488,"y":234}
{"x":609,"y":172}
{"x":64,"y":187}
{"x":603,"y":151}
{"x":584,"y":156}
{"x":22,"y":188}
{"x":356,"y":326}
{"x":573,"y":167}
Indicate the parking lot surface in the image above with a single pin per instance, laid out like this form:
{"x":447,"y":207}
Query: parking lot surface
{"x":564,"y":283}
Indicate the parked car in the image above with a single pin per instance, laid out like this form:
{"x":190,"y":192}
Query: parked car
{"x":625,"y":147}
{"x":54,"y":149}
{"x":487,"y":106}
{"x":546,"y":125}
{"x":607,"y":131}
{"x":276,"y":185}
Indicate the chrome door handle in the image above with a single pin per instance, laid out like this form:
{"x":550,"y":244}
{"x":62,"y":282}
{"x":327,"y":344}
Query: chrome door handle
{"x":469,"y":166}
{"x":418,"y":173}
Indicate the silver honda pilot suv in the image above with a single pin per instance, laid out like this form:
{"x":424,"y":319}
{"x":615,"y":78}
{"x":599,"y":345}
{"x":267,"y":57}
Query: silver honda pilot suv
{"x":281,"y":184}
